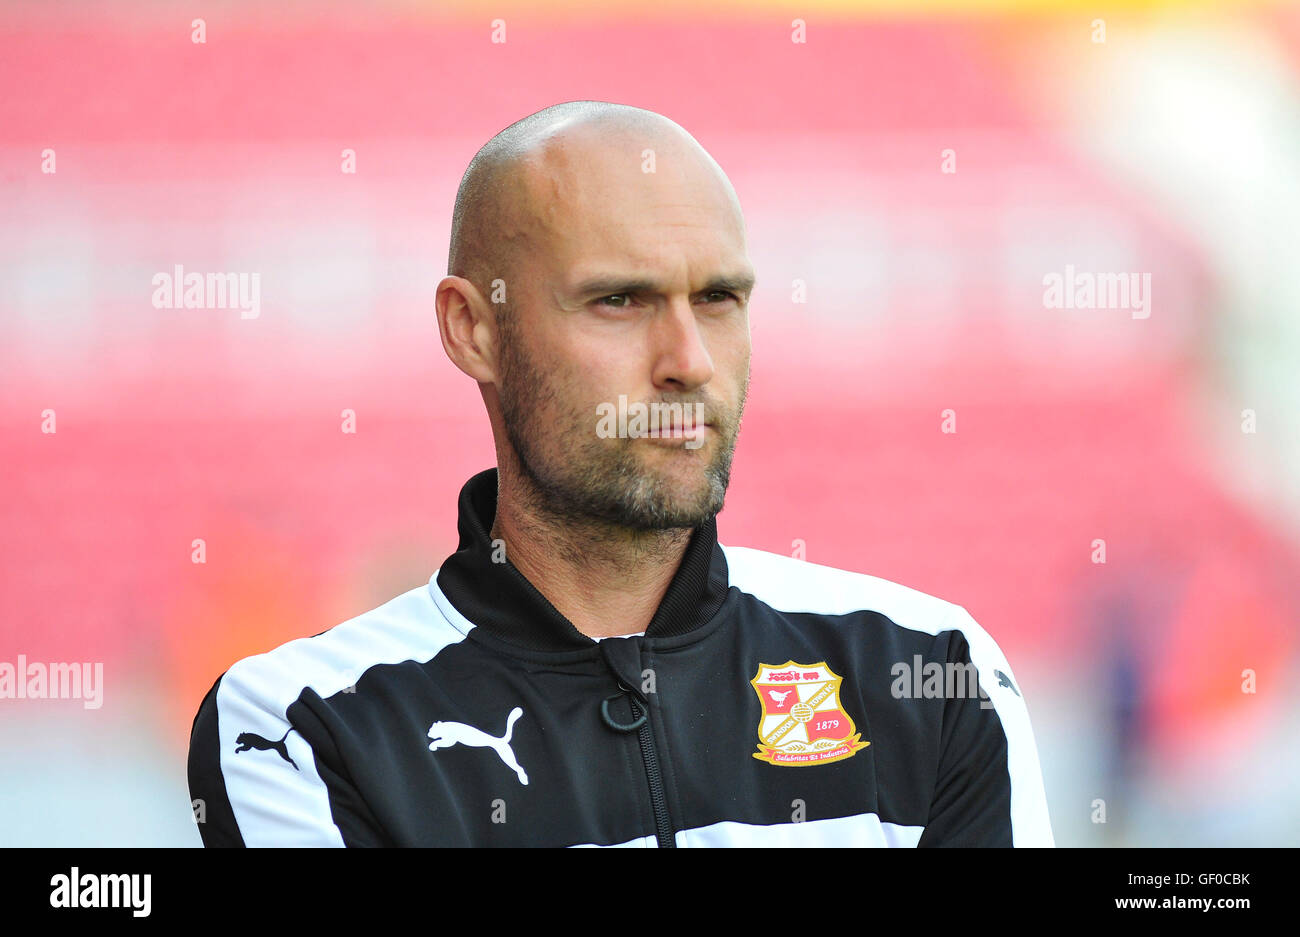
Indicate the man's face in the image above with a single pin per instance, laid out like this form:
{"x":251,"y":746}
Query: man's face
{"x":623,"y":292}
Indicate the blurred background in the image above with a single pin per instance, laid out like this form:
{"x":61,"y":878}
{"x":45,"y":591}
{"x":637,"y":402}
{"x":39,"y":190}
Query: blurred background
{"x":1117,"y":506}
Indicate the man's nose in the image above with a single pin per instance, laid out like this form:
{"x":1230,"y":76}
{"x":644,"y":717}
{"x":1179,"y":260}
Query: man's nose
{"x":682,"y":362}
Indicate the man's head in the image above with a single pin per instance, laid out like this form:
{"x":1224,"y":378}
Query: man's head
{"x":598,"y":252}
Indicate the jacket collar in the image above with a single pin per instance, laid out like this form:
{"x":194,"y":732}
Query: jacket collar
{"x":497,"y":597}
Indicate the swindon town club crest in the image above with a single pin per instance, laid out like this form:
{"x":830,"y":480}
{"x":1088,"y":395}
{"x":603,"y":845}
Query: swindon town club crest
{"x":803,"y":722}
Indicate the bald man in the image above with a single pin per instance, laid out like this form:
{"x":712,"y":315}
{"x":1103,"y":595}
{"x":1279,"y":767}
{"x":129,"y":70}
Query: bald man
{"x":579,"y":277}
{"x":591,"y":666}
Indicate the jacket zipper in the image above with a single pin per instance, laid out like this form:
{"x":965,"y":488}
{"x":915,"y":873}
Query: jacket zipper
{"x":658,"y":798}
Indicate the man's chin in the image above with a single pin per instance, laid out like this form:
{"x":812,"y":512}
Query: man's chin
{"x":641,"y":485}
{"x":672,"y":496}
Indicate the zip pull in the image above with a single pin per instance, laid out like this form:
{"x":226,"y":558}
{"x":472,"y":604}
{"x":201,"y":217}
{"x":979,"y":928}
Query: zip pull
{"x":620,"y":726}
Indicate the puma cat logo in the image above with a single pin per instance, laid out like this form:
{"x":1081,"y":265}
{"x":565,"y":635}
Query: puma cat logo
{"x":447,"y":734}
{"x":1004,"y":680}
{"x":250,"y":740}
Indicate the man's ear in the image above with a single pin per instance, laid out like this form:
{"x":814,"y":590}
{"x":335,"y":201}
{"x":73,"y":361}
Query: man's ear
{"x":467,"y":326}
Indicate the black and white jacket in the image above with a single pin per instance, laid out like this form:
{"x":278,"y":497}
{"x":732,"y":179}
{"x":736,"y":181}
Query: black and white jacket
{"x":771,"y":702}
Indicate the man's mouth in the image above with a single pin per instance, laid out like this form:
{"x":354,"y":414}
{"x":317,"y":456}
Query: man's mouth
{"x":680,"y":430}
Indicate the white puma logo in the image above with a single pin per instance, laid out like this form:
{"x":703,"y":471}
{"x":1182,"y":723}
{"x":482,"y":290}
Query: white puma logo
{"x":447,"y":734}
{"x":779,"y":697}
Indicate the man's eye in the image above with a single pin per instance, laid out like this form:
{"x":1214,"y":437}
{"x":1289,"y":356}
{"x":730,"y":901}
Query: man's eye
{"x":623,"y":300}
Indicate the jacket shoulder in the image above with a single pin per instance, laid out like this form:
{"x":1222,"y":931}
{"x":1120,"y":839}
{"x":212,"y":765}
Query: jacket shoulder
{"x":407,"y":627}
{"x":994,"y":743}
{"x":251,"y":766}
{"x":794,"y":585}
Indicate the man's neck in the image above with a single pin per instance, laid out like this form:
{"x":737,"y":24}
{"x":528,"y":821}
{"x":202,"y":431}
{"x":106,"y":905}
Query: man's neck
{"x":607,"y":580}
